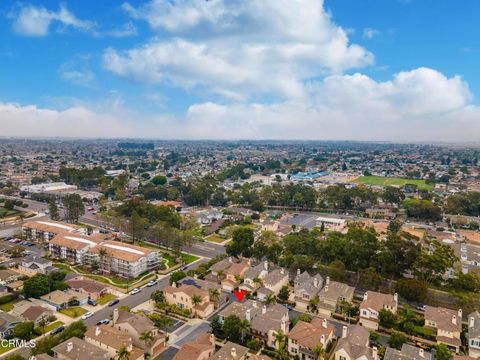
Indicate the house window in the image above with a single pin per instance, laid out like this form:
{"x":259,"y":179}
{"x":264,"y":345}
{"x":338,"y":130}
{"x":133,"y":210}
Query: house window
{"x":343,"y":357}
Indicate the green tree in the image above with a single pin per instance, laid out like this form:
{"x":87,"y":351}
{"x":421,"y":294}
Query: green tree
{"x":270,"y":299}
{"x":214,"y":295}
{"x":24,"y":330}
{"x":231,"y":328}
{"x":177,"y":276}
{"x":53,"y":209}
{"x":412,"y":289}
{"x":387,"y":318}
{"x":337,"y":270}
{"x":241,"y":243}
{"x":430,"y":266}
{"x":442,"y":352}
{"x":313,"y":304}
{"x":147,"y":337}
{"x":216,"y":326}
{"x":284,"y":293}
{"x":159,"y":180}
{"x":305,"y":318}
{"x":136,"y":226}
{"x":396,"y":340}
{"x":122,"y":353}
{"x":74,"y":207}
{"x":36,"y":286}
{"x":393,"y":195}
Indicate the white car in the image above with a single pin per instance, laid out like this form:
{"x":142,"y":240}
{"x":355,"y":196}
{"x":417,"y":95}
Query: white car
{"x":135,"y":291}
{"x":87,"y":315}
{"x":152,"y":283}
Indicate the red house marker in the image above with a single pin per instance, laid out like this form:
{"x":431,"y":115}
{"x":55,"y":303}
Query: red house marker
{"x":240,"y":294}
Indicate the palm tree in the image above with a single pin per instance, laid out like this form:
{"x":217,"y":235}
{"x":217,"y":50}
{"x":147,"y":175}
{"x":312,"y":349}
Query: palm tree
{"x":102,"y":253}
{"x":42,"y":324}
{"x":280,"y":338}
{"x":196,"y":299}
{"x":147,"y":337}
{"x":214,"y":295}
{"x":123,"y":353}
{"x":319,"y":353}
{"x":258,"y":281}
{"x":220,"y":274}
{"x":270,"y":299}
{"x":313,"y":304}
{"x":244,"y":327}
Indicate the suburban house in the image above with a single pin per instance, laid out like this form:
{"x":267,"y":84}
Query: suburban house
{"x":137,"y":324}
{"x":253,"y":278}
{"x":221,"y":266}
{"x":231,"y":351}
{"x":234,"y":274}
{"x":29,"y":311}
{"x":78,"y":349}
{"x":448,"y":324}
{"x":111,"y":339}
{"x":272,"y":283}
{"x":8,"y":276}
{"x":473,"y":334}
{"x":3,"y":290}
{"x":200,"y":348}
{"x":306,"y":288}
{"x":61,"y":299}
{"x":354,"y":344}
{"x":91,"y":288}
{"x":270,"y":321}
{"x":371,"y":305}
{"x":33,"y":265}
{"x":332,"y":294}
{"x":408,"y":352}
{"x":305,"y":337}
{"x":8,"y":322}
{"x":244,"y":310}
{"x":184,"y":297}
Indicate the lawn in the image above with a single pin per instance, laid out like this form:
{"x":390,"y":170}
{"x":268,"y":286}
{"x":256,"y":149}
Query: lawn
{"x":74,"y":311}
{"x":52,"y":326}
{"x":393,"y":181}
{"x":215,"y":238}
{"x":4,"y":349}
{"x":170,"y":259}
{"x":6,"y":212}
{"x":188,"y":259}
{"x":105,"y":298}
{"x":9,"y":306}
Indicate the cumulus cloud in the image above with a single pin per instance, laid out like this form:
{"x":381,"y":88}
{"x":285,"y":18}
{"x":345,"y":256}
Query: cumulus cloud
{"x":35,"y":21}
{"x":417,"y":105}
{"x":238,"y":48}
{"x":369,"y":33}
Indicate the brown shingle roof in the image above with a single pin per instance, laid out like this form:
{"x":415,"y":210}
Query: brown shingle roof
{"x":310,"y":334}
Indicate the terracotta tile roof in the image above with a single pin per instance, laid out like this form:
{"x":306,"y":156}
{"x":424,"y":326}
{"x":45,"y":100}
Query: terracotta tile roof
{"x":189,"y":290}
{"x":109,"y":336}
{"x":193,"y":349}
{"x":310,"y":334}
{"x":122,"y":251}
{"x":75,"y":241}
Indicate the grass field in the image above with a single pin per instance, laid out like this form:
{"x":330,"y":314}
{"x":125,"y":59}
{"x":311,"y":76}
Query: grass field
{"x":105,"y":298}
{"x":4,"y":349}
{"x":215,"y":238}
{"x":74,"y":311}
{"x":9,"y":306}
{"x":52,"y":326}
{"x":5,"y":212}
{"x":187,"y":258}
{"x":393,"y":181}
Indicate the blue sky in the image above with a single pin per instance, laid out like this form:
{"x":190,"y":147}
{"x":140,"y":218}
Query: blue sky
{"x":240,"y":69}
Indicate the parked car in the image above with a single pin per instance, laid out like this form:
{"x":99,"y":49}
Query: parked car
{"x":135,"y":291}
{"x":91,"y":209}
{"x":113,"y":302}
{"x":103,"y":322}
{"x":92,"y":302}
{"x":87,"y":315}
{"x":152,"y":283}
{"x":421,"y":308}
{"x":58,"y":330}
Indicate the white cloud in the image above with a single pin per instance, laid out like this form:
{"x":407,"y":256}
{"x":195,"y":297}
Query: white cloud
{"x":417,"y":105}
{"x":36,"y":21}
{"x":369,"y":33}
{"x":127,"y":30}
{"x":238,"y":48}
{"x":77,"y":71}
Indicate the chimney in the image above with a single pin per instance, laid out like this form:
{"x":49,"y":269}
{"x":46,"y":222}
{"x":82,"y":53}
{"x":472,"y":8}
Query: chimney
{"x":212,"y":339}
{"x":298,"y":271}
{"x":115,"y":316}
{"x":326,"y":288}
{"x":375,"y":353}
{"x":282,"y":271}
{"x":265,"y":265}
{"x":395,"y":297}
{"x":233,"y":352}
{"x":344,"y":332}
{"x":324,"y":323}
{"x":421,"y":353}
{"x":264,"y":309}
{"x":195,"y":276}
{"x":460,"y":313}
{"x":471,"y":322}
{"x":365,"y":296}
{"x":230,"y":259}
{"x":97,"y":331}
{"x":322,"y":339}
{"x":254,"y":303}
{"x":315,"y":282}
{"x":327,"y":280}
{"x":69,"y":346}
{"x":247,"y":315}
{"x":454,"y":319}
